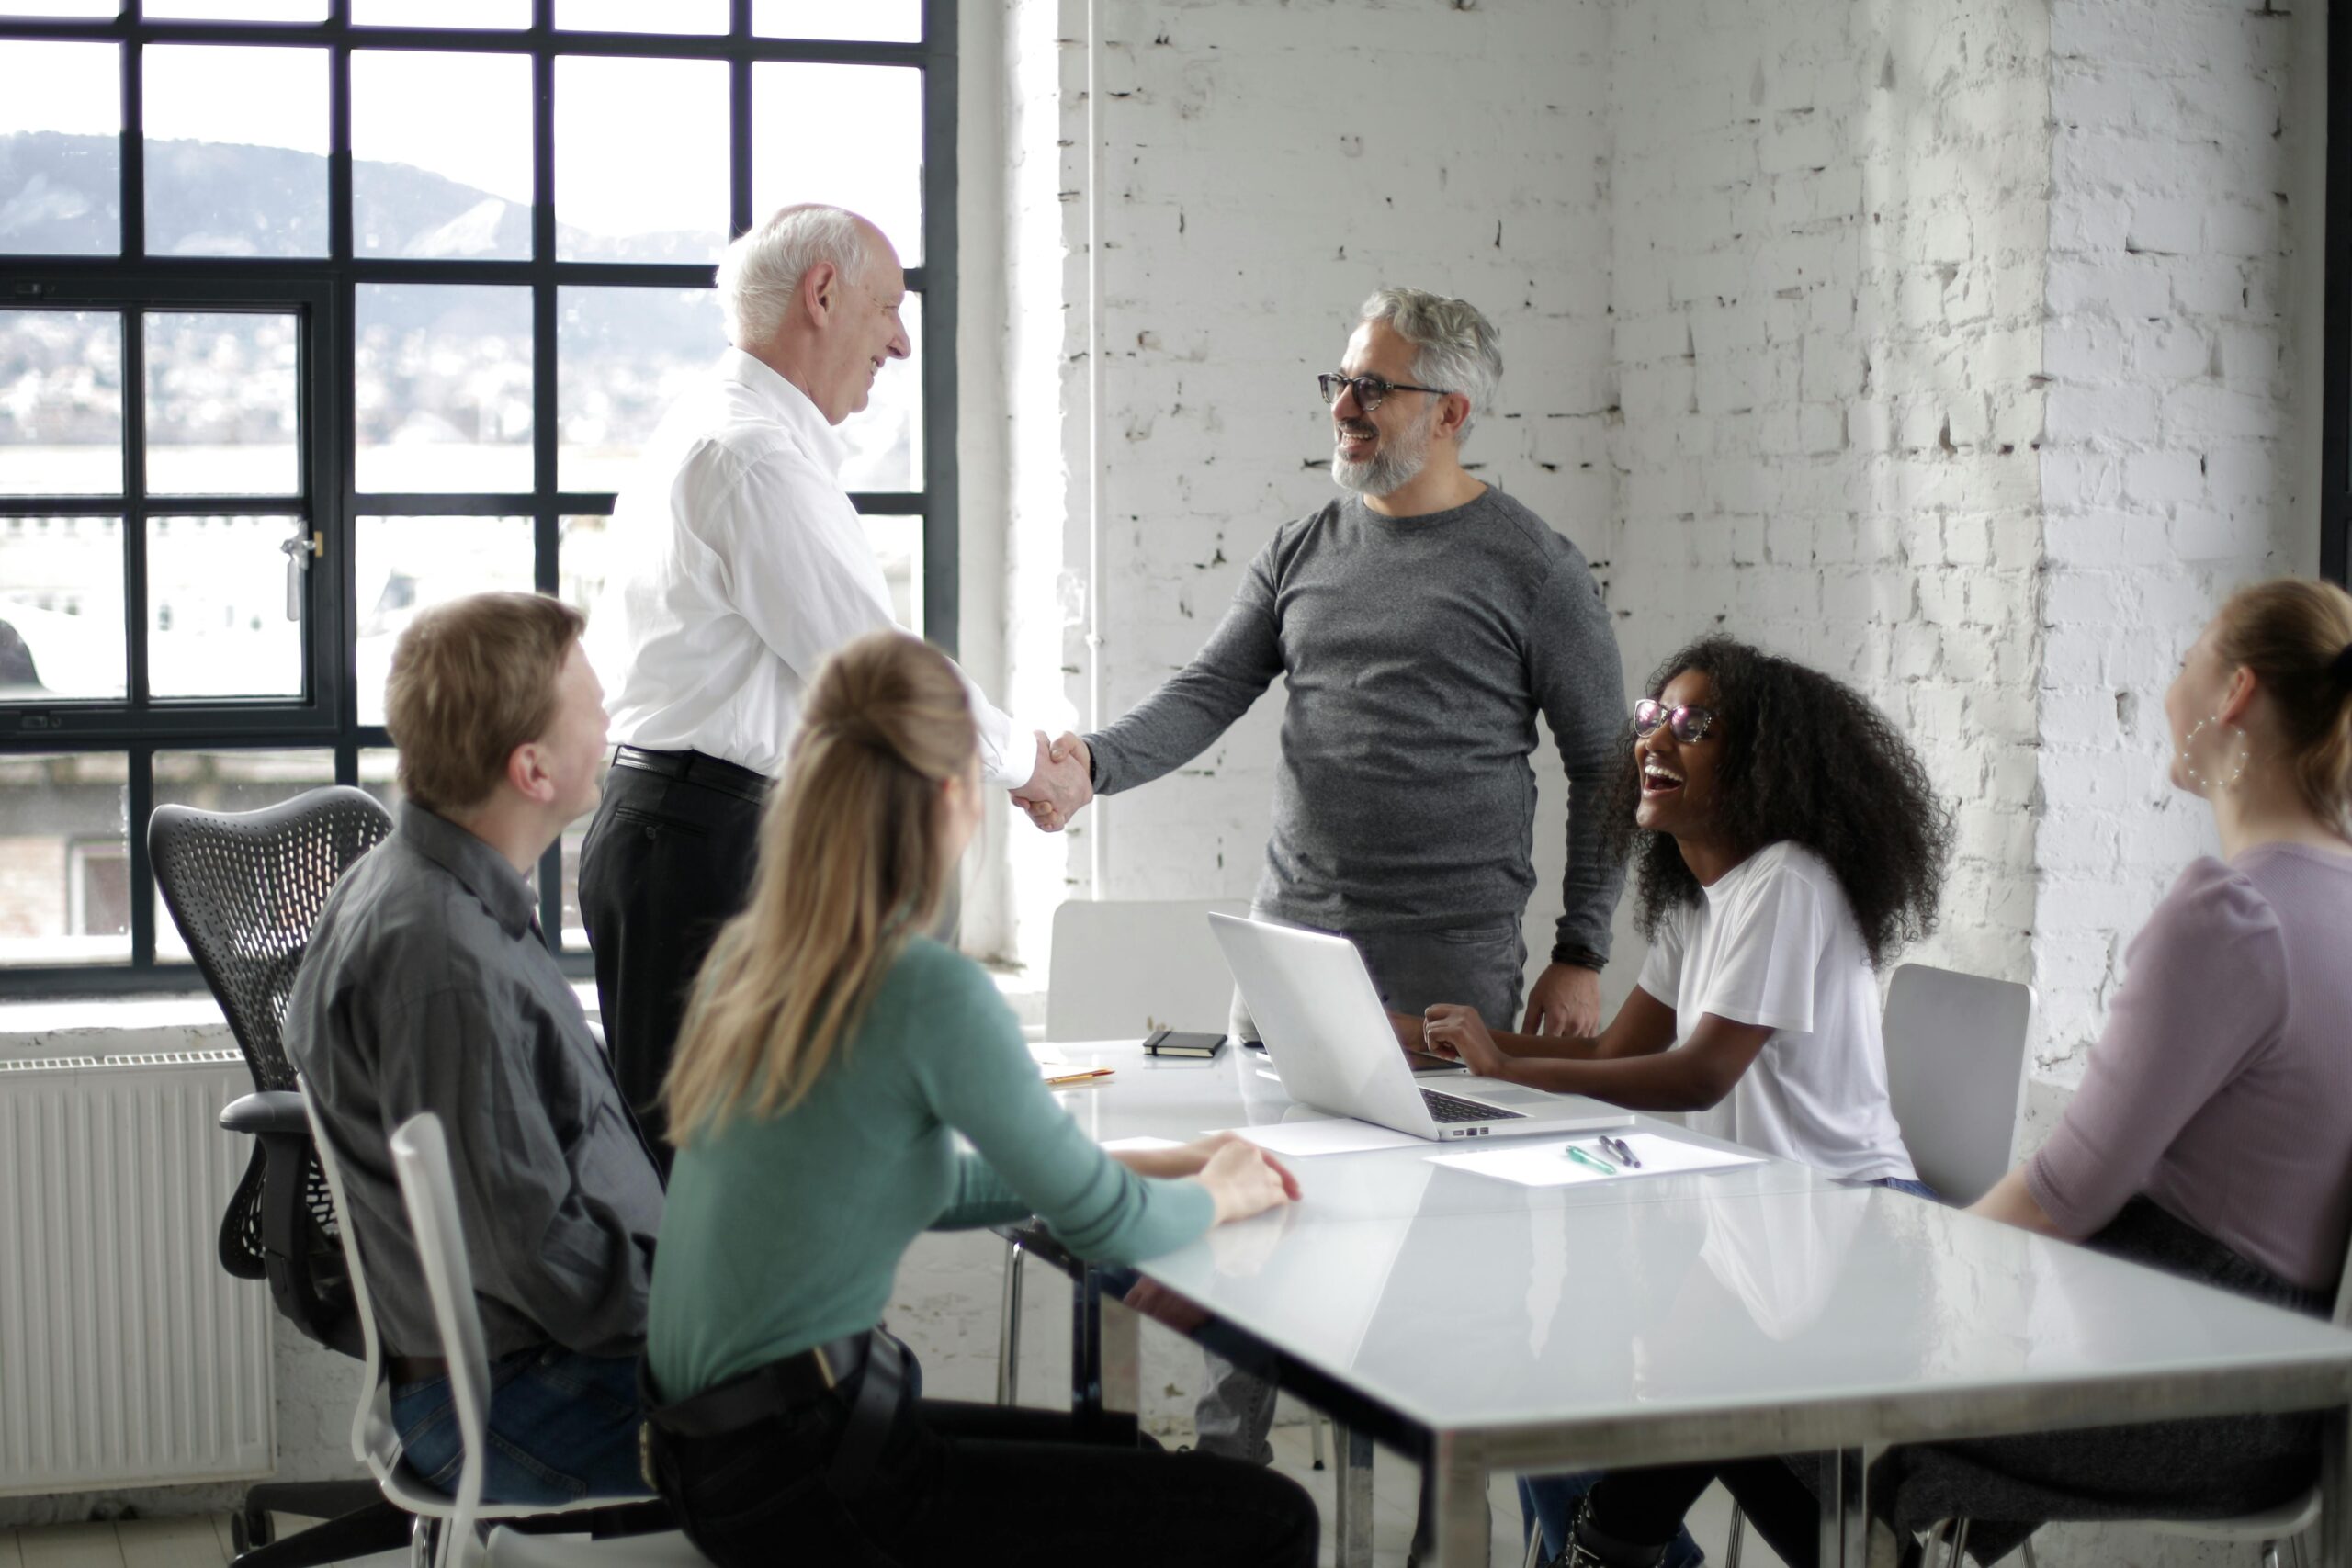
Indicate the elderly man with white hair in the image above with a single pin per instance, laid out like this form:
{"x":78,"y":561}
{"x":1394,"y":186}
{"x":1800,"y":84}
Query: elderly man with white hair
{"x":738,"y":564}
{"x":1420,"y":619}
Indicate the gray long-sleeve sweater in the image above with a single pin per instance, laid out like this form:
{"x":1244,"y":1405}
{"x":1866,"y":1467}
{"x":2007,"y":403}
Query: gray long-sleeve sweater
{"x":1417,"y":652}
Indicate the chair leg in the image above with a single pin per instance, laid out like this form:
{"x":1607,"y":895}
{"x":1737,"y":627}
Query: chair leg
{"x":1960,"y":1544}
{"x":1534,"y":1547}
{"x":2028,"y":1548}
{"x":1315,"y":1424}
{"x":1738,"y":1541}
{"x":1008,"y":1333}
{"x":2269,"y":1554}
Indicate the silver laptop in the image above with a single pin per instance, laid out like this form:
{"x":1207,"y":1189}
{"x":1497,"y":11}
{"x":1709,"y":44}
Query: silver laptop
{"x":1323,"y":1026}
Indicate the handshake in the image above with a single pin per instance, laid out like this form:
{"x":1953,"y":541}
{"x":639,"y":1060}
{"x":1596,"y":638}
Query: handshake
{"x":1062,"y":783}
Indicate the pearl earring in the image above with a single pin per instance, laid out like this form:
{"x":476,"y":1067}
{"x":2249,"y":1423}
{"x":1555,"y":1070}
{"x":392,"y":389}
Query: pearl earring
{"x":2196,"y":780}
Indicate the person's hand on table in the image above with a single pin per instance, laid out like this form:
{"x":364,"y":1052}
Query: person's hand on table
{"x":1566,"y":1001}
{"x":1244,"y":1180}
{"x":1193,"y":1158}
{"x":1062,"y":784}
{"x":1156,"y":1302}
{"x":1450,"y":1029}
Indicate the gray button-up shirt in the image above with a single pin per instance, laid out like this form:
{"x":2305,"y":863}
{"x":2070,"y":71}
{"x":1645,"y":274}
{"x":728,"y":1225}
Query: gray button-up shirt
{"x":427,"y":988}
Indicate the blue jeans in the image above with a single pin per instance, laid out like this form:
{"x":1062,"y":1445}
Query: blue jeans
{"x":1548,"y":1503}
{"x":1904,"y":1184}
{"x":562,"y":1426}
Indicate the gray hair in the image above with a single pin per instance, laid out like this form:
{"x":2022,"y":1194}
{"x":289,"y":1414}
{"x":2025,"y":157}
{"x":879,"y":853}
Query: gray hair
{"x":1456,"y":348}
{"x":763,"y":269}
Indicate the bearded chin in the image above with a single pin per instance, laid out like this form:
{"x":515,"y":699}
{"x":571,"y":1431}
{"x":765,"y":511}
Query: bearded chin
{"x":1385,"y":473}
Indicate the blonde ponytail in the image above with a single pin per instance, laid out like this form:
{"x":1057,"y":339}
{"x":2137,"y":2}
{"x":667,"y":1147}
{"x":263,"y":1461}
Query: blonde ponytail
{"x":851,"y":863}
{"x":2295,"y":634}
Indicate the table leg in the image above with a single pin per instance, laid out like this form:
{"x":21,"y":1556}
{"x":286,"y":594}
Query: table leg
{"x":1844,"y":1521}
{"x":1462,"y":1513}
{"x":1086,"y":1351}
{"x":1122,"y":1369}
{"x":1352,"y":1530}
{"x":2335,"y":1490}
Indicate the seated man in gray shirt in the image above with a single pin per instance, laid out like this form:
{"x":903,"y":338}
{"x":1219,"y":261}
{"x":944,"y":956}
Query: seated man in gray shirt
{"x":1420,"y":620}
{"x":428,"y":987}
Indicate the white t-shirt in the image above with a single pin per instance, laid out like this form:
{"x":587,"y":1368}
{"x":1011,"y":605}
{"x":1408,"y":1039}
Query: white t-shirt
{"x":1773,"y":942}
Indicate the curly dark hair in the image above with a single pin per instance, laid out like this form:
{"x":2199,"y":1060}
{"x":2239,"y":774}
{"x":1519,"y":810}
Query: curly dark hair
{"x":1808,"y":760}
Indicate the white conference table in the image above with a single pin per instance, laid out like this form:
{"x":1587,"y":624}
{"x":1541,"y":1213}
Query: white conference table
{"x":1486,"y":1326}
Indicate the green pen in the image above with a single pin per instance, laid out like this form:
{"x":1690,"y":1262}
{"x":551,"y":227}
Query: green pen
{"x":1581,"y":1157}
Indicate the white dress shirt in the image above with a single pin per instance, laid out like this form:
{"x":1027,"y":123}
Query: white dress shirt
{"x":737,"y":564}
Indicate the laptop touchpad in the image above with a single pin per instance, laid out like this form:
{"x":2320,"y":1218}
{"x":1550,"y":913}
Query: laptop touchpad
{"x":1495,"y":1091}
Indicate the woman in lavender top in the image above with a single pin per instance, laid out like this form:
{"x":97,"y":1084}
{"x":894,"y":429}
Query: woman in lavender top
{"x":2213,"y":1135}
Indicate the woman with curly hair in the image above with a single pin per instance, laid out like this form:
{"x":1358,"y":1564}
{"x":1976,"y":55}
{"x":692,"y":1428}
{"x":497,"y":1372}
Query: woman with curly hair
{"x":1787,"y":841}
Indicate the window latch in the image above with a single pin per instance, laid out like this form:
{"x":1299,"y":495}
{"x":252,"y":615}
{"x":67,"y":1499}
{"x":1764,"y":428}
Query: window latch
{"x":298,"y":550}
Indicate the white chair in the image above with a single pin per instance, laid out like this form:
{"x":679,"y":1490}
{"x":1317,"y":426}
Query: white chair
{"x":421,"y":1159}
{"x":1955,"y":1076}
{"x":375,"y":1442}
{"x":1119,"y":970}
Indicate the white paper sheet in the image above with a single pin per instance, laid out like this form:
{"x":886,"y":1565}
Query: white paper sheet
{"x":1544,"y":1162}
{"x":1139,"y":1145}
{"x":1337,"y":1135}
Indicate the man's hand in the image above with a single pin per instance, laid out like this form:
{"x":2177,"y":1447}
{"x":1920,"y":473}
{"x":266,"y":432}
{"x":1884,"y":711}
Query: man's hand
{"x":1566,"y":1001}
{"x":1408,"y":1030}
{"x":1061,"y":786}
{"x":1450,"y":1029}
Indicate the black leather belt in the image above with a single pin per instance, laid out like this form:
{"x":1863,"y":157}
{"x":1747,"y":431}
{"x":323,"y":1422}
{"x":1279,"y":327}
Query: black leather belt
{"x":696,"y":768}
{"x":872,"y":1360}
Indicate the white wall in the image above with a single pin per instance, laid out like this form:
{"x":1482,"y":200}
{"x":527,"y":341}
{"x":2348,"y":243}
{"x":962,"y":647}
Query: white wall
{"x":2182,"y":457}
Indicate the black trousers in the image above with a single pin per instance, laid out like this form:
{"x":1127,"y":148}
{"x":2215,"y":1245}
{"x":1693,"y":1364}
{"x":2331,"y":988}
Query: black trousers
{"x":665,"y":864}
{"x":975,"y":1483}
{"x":1646,"y":1507}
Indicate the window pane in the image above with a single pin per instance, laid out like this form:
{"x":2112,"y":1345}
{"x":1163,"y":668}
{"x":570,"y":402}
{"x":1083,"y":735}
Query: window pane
{"x":883,"y":21}
{"x":898,"y":545}
{"x":454,"y":182}
{"x":885,"y":441}
{"x":216,"y":608}
{"x":622,"y":356}
{"x":64,"y":859}
{"x":229,"y":781}
{"x":441,"y":13}
{"x":60,"y":609}
{"x":640,"y":159}
{"x":61,"y":402}
{"x":407,"y":563}
{"x":235,"y":10}
{"x":637,"y":16}
{"x":581,"y":544}
{"x":61,"y":148}
{"x":443,"y":387}
{"x":236,"y":151}
{"x":222,"y":405}
{"x":850,"y":135}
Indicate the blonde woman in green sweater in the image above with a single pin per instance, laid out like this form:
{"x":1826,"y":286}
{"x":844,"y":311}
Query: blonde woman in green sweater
{"x":829,"y":1057}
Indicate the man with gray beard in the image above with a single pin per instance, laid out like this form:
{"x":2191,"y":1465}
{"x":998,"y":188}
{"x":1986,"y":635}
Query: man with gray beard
{"x":1420,"y":620}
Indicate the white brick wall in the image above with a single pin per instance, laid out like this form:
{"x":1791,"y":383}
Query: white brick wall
{"x":2181,"y":451}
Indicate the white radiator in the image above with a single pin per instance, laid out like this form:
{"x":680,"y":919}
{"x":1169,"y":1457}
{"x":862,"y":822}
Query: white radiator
{"x":127,"y":1355}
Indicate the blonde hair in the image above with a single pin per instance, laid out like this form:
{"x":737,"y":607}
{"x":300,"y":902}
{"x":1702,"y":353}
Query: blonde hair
{"x":851,"y":864}
{"x":2295,"y":634}
{"x":471,"y":680}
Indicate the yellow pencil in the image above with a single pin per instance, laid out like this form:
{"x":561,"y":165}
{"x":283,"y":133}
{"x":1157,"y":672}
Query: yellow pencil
{"x":1079,"y":1078}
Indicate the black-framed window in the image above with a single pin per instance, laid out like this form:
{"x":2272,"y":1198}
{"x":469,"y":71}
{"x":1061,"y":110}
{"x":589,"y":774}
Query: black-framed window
{"x":313,"y":312}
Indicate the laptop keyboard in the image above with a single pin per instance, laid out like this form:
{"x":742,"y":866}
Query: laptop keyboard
{"x":1452,"y":1107}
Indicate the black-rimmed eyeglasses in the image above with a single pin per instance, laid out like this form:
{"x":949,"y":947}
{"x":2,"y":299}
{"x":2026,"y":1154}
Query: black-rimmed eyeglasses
{"x":1689,"y":722}
{"x":1370,"y":390}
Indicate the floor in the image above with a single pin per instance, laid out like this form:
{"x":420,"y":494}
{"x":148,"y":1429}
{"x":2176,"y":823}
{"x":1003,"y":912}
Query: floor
{"x":203,"y":1541}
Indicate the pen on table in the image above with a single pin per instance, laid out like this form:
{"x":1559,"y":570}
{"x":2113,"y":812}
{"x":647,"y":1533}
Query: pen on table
{"x":1623,"y":1150}
{"x":1581,"y":1157}
{"x":1078,"y":1076}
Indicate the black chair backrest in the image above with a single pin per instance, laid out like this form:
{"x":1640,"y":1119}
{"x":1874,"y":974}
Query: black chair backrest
{"x":245,"y":889}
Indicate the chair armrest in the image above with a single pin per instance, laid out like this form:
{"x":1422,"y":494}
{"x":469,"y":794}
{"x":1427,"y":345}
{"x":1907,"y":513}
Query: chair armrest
{"x":271,"y":1112}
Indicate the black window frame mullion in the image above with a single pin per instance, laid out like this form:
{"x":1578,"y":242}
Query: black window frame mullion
{"x":2335,"y":437}
{"x":942,"y":528}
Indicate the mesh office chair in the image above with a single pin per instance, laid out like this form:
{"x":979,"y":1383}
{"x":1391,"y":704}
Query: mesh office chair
{"x":245,"y":889}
